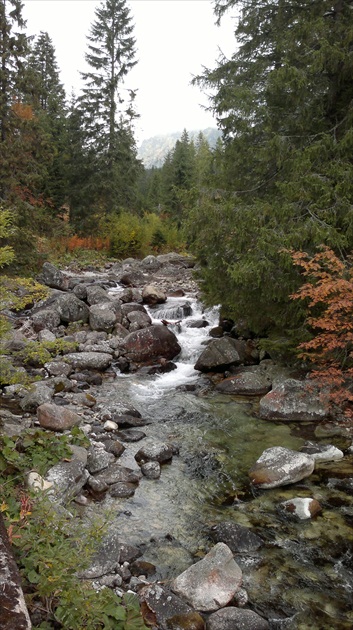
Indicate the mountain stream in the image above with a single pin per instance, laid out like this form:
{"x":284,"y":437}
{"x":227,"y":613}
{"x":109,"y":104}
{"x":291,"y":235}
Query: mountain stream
{"x":302,"y":578}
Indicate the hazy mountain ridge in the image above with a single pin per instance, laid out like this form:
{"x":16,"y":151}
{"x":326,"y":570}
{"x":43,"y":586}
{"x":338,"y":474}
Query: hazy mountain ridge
{"x":153,"y":151}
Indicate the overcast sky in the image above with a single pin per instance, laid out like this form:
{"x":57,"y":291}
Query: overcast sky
{"x":174,"y":39}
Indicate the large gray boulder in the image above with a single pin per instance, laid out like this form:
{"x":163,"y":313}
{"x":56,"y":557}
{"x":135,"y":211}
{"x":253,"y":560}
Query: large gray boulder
{"x":46,"y":318}
{"x":89,"y":360}
{"x":252,"y":382}
{"x":96,"y":294}
{"x":153,"y":295}
{"x":68,"y":479}
{"x":219,"y":355}
{"x":150,"y":344}
{"x":101,"y":318}
{"x":53,"y":277}
{"x":294,"y":401}
{"x":279,"y":466}
{"x":57,"y":418}
{"x":71,"y":309}
{"x":212,"y":582}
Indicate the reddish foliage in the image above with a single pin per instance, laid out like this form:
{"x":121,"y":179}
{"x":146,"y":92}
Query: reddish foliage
{"x":329,"y":296}
{"x":89,"y":242}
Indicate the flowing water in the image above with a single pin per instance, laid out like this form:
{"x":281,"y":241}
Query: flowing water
{"x":302,"y":578}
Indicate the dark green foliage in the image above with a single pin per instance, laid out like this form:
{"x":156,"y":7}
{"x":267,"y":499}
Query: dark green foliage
{"x":284,"y":104}
{"x":107,"y":168}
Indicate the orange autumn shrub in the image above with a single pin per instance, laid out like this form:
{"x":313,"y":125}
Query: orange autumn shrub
{"x":89,"y":242}
{"x":328,"y":293}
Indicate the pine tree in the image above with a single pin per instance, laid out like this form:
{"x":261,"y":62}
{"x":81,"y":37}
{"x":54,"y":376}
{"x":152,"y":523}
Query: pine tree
{"x":47,"y":95}
{"x":13,"y":50}
{"x":284,"y":104}
{"x":107,"y":110}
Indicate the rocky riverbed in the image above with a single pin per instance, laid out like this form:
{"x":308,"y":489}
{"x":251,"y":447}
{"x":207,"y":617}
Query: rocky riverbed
{"x":224,"y":472}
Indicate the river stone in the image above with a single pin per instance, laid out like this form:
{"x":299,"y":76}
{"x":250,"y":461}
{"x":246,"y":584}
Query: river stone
{"x":120,"y":331}
{"x":294,"y":401}
{"x":138,"y":320}
{"x":231,"y":618}
{"x":163,"y":609}
{"x":98,"y":459}
{"x":220,"y":354}
{"x":122,"y":490}
{"x":301,"y":508}
{"x":249,"y":383}
{"x":153,"y":295}
{"x":54,"y":278}
{"x":96,"y":294}
{"x":14,"y":613}
{"x":151,"y":470}
{"x":38,"y":394}
{"x":46,"y":318}
{"x":80,"y":290}
{"x":89,"y":360}
{"x":150,"y":343}
{"x":106,"y":559}
{"x":117,"y":474}
{"x":46,"y":335}
{"x":179,"y":260}
{"x":71,"y":309}
{"x":212,"y":582}
{"x":279,"y":466}
{"x":154,"y":451}
{"x":115,"y":447}
{"x":101,"y":318}
{"x":322,"y":452}
{"x":239,"y":539}
{"x":129,"y":421}
{"x":68,"y":479}
{"x":57,"y":368}
{"x":130,"y":435}
{"x":57,"y":418}
{"x":131,"y":295}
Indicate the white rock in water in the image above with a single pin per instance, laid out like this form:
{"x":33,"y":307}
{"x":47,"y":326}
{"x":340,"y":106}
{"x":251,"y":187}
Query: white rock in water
{"x":302,"y":507}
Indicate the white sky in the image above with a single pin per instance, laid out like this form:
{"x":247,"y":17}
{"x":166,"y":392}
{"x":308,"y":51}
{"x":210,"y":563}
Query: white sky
{"x":174,"y":39}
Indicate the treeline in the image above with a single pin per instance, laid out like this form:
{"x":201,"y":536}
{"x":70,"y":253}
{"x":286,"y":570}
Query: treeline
{"x":280,"y":179}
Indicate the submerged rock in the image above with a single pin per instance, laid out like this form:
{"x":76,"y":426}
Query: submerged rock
{"x":212,"y":582}
{"x":239,"y":539}
{"x":231,"y":618}
{"x":279,"y":466}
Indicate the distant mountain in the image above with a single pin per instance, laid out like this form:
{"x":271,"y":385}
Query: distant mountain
{"x":154,"y":150}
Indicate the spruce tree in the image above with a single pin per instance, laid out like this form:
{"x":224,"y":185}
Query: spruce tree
{"x":13,"y":51}
{"x":284,"y":103}
{"x":47,"y":95}
{"x":107,"y":110}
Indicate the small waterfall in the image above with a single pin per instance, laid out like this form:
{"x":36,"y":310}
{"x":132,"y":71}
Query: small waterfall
{"x":190,"y":339}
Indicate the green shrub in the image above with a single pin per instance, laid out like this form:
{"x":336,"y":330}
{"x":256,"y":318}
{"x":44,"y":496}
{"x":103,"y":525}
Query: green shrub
{"x":38,"y":353}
